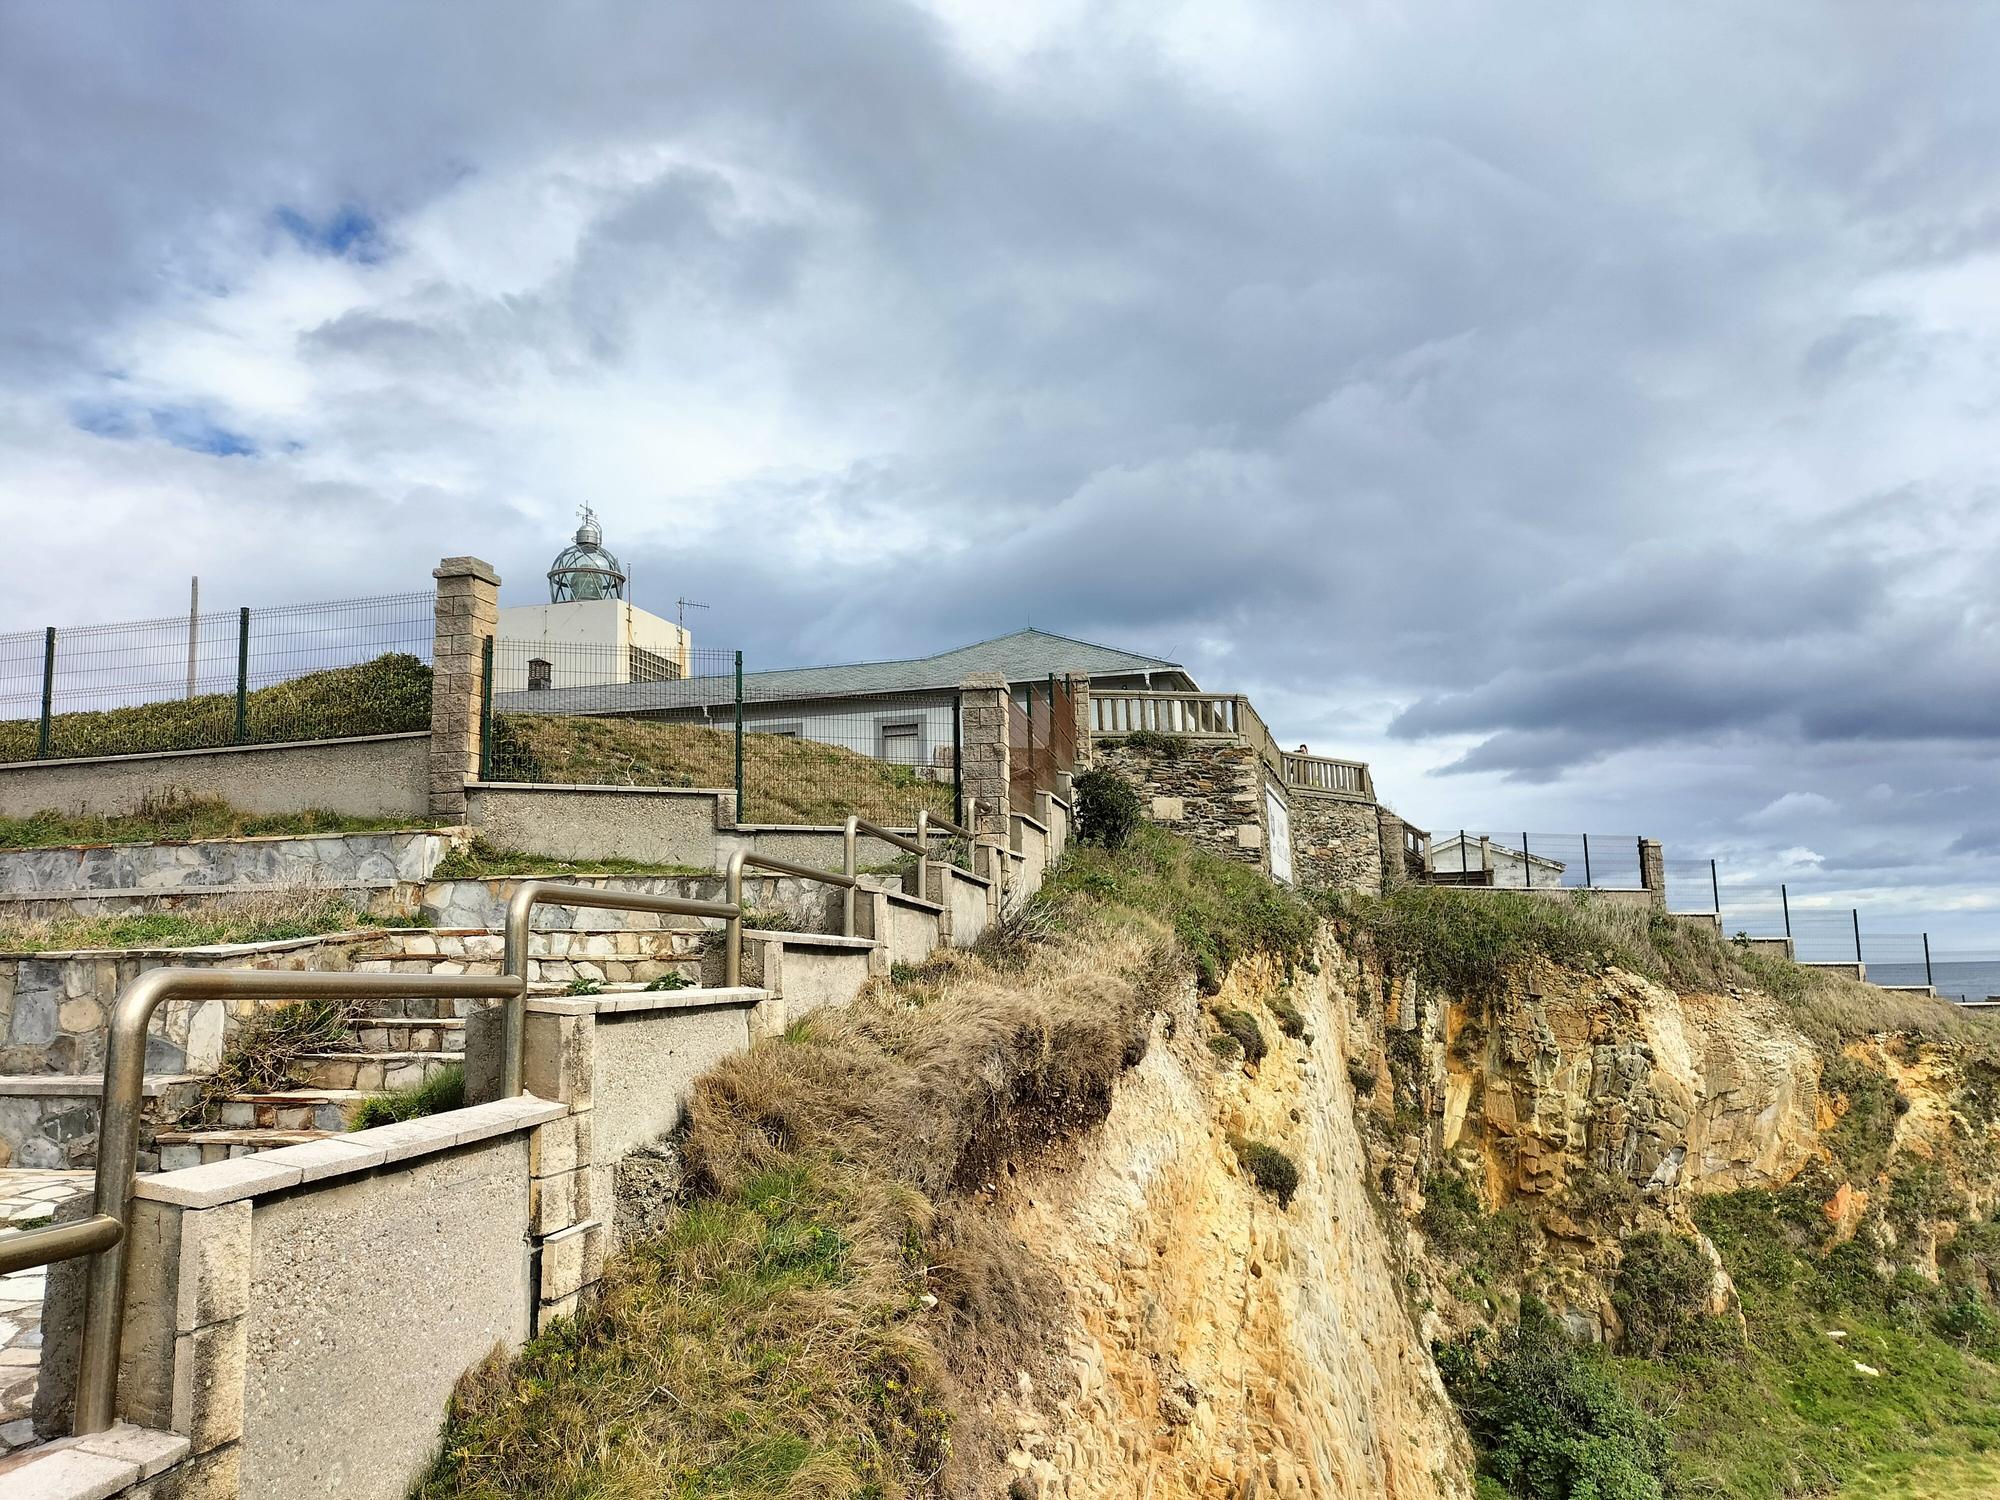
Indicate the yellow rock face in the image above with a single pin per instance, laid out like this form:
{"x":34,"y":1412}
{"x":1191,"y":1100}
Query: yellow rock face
{"x":1219,"y":1345}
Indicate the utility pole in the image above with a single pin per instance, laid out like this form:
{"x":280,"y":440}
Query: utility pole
{"x":194,"y":627}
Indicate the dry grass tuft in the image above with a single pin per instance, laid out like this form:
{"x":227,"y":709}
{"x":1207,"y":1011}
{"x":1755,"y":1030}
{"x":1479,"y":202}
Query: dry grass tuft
{"x":804,"y":1327}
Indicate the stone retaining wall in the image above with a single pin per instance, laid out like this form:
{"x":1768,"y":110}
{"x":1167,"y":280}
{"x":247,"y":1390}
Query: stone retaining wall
{"x":1336,"y":844}
{"x":319,"y":861}
{"x":1209,"y":791}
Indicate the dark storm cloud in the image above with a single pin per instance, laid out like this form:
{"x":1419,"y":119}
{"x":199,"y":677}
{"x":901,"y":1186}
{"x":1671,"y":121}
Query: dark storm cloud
{"x":1596,"y":410}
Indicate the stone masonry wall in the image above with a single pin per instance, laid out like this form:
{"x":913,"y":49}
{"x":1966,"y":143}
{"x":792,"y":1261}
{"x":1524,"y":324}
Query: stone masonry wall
{"x":1336,"y":845}
{"x":1209,"y":791}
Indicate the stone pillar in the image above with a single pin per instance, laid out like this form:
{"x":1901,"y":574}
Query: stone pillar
{"x":1653,"y":871}
{"x":1395,"y":865}
{"x":1079,"y":689}
{"x":985,"y":760}
{"x":468,"y":611}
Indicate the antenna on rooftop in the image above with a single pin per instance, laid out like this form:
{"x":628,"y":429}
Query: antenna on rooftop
{"x":686,"y":605}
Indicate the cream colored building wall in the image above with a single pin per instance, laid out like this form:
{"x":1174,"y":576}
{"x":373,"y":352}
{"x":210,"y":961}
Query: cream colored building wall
{"x":585,"y":637}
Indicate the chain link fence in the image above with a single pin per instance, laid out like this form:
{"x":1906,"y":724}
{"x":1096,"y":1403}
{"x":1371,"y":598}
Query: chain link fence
{"x":239,"y":677}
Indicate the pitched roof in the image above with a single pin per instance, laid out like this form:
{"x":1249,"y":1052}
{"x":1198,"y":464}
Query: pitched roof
{"x":1024,"y":656}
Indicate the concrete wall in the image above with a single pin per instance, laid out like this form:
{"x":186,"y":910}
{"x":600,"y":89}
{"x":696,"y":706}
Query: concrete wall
{"x":483,"y":903}
{"x":653,"y":825}
{"x":908,"y":928}
{"x":967,"y":901}
{"x":376,"y":776}
{"x":302,"y":1316}
{"x":1031,"y":842}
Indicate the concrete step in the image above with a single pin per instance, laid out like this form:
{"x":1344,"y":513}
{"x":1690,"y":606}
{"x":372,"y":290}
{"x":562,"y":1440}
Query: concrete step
{"x":373,"y":1072}
{"x":391,"y":1034}
{"x":197,"y":1148}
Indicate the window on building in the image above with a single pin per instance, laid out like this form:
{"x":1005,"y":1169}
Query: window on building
{"x":541,"y":676}
{"x":649,"y":666}
{"x":903,"y":744}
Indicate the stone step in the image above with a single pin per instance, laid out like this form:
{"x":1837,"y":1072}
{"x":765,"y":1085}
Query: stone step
{"x":387,"y":1034}
{"x":197,"y":1148}
{"x":309,"y":1109}
{"x":373,"y":1072}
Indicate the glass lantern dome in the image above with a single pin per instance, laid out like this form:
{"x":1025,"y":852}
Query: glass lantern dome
{"x":585,"y":570}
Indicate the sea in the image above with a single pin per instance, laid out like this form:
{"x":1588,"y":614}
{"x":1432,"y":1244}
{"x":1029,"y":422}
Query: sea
{"x":1956,"y":979}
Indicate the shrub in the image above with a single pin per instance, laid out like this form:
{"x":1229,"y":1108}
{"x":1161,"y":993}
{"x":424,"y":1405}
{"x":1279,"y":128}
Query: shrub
{"x":1243,"y":1026}
{"x":438,"y":1094}
{"x":1291,"y":1020}
{"x":1152,"y":742}
{"x":1362,"y":1077}
{"x":1107,"y":809}
{"x":1450,"y":1214}
{"x":583,"y":987}
{"x":1272,"y":1170}
{"x":1867,"y":1127}
{"x":673,"y":979}
{"x":1550,"y":1419}
{"x":1661,"y":1294}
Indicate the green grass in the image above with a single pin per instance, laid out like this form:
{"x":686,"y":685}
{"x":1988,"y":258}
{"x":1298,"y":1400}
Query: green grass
{"x":1786,"y":1413}
{"x":1473,"y":942}
{"x":389,"y":694}
{"x":177,"y":820}
{"x":483,"y":861}
{"x":273,"y":918}
{"x":785,"y":780}
{"x":1219,"y":910}
{"x":438,"y":1094}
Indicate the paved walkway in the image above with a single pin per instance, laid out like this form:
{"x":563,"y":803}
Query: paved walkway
{"x":27,"y":1198}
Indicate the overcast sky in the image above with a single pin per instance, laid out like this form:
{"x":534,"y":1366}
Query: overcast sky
{"x":1584,"y":413}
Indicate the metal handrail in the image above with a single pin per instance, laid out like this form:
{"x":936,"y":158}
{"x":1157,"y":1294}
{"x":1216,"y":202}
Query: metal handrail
{"x":103,"y":1235}
{"x":530,"y":894}
{"x":919,"y":846}
{"x":733,"y":880}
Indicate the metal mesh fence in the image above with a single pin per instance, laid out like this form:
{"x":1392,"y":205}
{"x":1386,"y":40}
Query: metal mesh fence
{"x":1523,"y":860}
{"x":247,"y":676}
{"x":576,"y":713}
{"x":1041,"y":740}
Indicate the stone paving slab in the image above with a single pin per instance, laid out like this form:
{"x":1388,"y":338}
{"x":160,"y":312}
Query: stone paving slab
{"x":27,"y":1197}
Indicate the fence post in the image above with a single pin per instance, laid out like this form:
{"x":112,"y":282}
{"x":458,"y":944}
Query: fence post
{"x":486,"y":711}
{"x":1588,"y":882}
{"x":242,"y":674}
{"x":1715,"y":890}
{"x":1785,"y":900}
{"x":48,"y":693}
{"x":1527,"y":864}
{"x":987,"y":756}
{"x":958,"y":761}
{"x":1855,"y":911}
{"x":466,"y":612}
{"x":739,"y":737}
{"x":1929,"y":978}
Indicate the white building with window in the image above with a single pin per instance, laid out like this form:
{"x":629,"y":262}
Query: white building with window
{"x":588,"y":634}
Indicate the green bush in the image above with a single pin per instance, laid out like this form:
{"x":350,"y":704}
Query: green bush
{"x":1291,"y":1020}
{"x":1152,"y":742}
{"x":673,"y":979}
{"x":1243,"y":1027}
{"x":1867,"y":1127}
{"x":1550,"y":1419}
{"x":1362,"y":1077}
{"x":1107,"y":809}
{"x":1272,"y":1170}
{"x":1661,"y":1294}
{"x":440,"y":1093}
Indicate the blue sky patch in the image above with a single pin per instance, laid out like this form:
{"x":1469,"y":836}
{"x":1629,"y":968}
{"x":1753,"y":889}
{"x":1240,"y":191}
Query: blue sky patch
{"x":191,"y":427}
{"x":347,"y":233}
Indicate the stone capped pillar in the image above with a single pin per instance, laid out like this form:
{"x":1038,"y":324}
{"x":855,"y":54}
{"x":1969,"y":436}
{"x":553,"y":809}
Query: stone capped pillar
{"x":1395,"y":866}
{"x":985,"y":761}
{"x":468,"y":611}
{"x":1653,"y":870}
{"x":1078,"y":684}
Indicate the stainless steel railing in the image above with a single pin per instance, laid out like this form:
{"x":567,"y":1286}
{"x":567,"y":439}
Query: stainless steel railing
{"x":103,"y":1235}
{"x":919,"y":846}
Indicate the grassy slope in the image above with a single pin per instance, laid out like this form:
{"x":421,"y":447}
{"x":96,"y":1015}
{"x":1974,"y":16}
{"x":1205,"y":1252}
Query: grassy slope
{"x":176,"y":821}
{"x":1784,"y":1413}
{"x":776,"y":1339}
{"x":785,"y":780}
{"x":389,"y":694}
{"x":482,"y":861}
